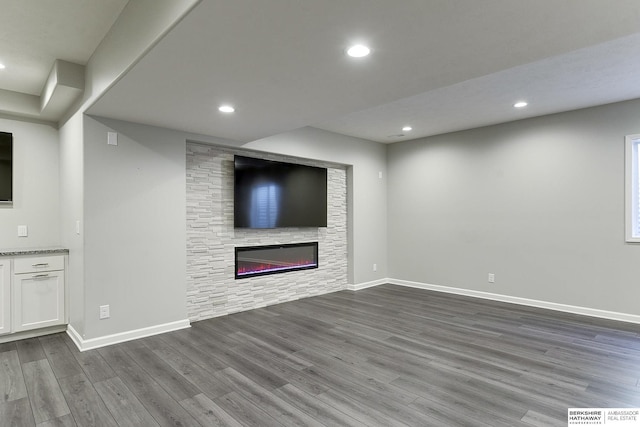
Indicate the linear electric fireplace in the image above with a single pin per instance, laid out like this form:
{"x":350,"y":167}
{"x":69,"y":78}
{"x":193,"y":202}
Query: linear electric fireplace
{"x":273,"y":259}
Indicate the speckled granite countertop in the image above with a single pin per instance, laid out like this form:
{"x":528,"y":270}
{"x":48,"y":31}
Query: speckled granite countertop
{"x":33,"y":251}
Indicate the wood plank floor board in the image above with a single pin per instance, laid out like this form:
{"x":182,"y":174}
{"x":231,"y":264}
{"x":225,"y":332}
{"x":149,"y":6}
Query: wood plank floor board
{"x":271,"y":350}
{"x":46,"y":398}
{"x":12,"y":386}
{"x":204,"y":380}
{"x":16,"y":413}
{"x":391,"y":400}
{"x":63,"y":421}
{"x":355,"y":409}
{"x":628,"y":340}
{"x":279,"y":367}
{"x":349,"y":326}
{"x":324,"y":413}
{"x":60,"y":357}
{"x":598,"y":348}
{"x":30,"y":350}
{"x":331,"y":344}
{"x":360,"y":388}
{"x":94,"y":366}
{"x":386,"y":355}
{"x":194,"y":352}
{"x":601,"y":369}
{"x":302,"y":380}
{"x":543,"y":395}
{"x":8,"y":346}
{"x":364,"y":376}
{"x":255,"y":371}
{"x":123,"y":404}
{"x":87,"y":407}
{"x":162,"y":373}
{"x":208,"y":413}
{"x":259,"y":332}
{"x":511,"y":358}
{"x":267,"y":401}
{"x":510,"y":345}
{"x":491,"y":400}
{"x":454,"y":412}
{"x":626,"y":395}
{"x":267,"y":358}
{"x":247,"y":414}
{"x":536,"y":419}
{"x":463,"y":361}
{"x":202,"y":331}
{"x":348,"y":367}
{"x":166,"y":410}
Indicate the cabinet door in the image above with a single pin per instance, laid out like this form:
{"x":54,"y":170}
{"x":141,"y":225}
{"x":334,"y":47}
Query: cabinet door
{"x":5,"y":297}
{"x":38,"y":300}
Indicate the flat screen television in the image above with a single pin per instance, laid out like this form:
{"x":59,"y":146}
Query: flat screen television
{"x":6,"y":167}
{"x":270,"y":194}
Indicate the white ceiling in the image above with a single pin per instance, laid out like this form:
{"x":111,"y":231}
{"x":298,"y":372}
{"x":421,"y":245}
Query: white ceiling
{"x":437,"y":65}
{"x":34,"y":33}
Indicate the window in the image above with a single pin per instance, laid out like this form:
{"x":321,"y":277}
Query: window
{"x":632,"y":188}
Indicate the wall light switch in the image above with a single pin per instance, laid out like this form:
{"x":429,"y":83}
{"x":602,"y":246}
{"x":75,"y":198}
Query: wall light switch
{"x":492,"y":278}
{"x":380,"y":175}
{"x":112,"y":138}
{"x":23,"y":231}
{"x":77,"y":227}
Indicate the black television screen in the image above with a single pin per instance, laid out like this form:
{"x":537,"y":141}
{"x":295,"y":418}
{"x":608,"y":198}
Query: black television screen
{"x":6,"y":167}
{"x":269,"y":194}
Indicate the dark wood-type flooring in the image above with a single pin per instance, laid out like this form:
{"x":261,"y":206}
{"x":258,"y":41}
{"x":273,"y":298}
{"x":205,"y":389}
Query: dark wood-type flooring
{"x":383,"y":356}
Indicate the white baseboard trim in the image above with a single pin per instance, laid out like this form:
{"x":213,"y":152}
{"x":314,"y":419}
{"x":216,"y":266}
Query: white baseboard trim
{"x":585,"y":311}
{"x":92,"y":343}
{"x":365,"y":285}
{"x":15,"y":336}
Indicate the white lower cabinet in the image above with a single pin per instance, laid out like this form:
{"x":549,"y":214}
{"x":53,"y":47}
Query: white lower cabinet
{"x":38,"y":300}
{"x":32,"y":294}
{"x":5,"y":296}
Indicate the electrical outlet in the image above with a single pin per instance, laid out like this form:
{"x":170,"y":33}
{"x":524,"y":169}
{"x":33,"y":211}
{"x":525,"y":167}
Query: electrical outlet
{"x":492,"y":278}
{"x":375,"y":267}
{"x":104,"y":312}
{"x":23,"y":231}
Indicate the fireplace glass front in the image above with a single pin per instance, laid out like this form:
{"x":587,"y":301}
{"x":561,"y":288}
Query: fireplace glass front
{"x":272,"y":259}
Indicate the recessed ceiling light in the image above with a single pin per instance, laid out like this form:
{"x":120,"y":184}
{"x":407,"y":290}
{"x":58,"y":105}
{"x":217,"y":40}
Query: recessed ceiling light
{"x":2,"y":67}
{"x":226,"y":109}
{"x":358,"y":51}
{"x":520,"y":104}
{"x":407,"y":128}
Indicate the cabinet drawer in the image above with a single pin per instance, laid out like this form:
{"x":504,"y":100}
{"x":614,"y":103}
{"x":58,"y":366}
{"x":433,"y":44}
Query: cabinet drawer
{"x":35,"y":264}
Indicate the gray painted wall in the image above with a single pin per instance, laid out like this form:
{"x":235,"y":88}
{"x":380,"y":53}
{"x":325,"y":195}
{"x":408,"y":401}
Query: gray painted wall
{"x":134,"y":225}
{"x":35,"y":187}
{"x":538,"y":202}
{"x":71,"y":212}
{"x":135,"y":31}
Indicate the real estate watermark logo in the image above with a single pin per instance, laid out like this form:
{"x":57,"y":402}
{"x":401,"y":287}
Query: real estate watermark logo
{"x":603,"y":416}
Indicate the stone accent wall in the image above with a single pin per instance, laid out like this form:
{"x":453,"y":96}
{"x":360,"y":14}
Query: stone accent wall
{"x":212,"y":289}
